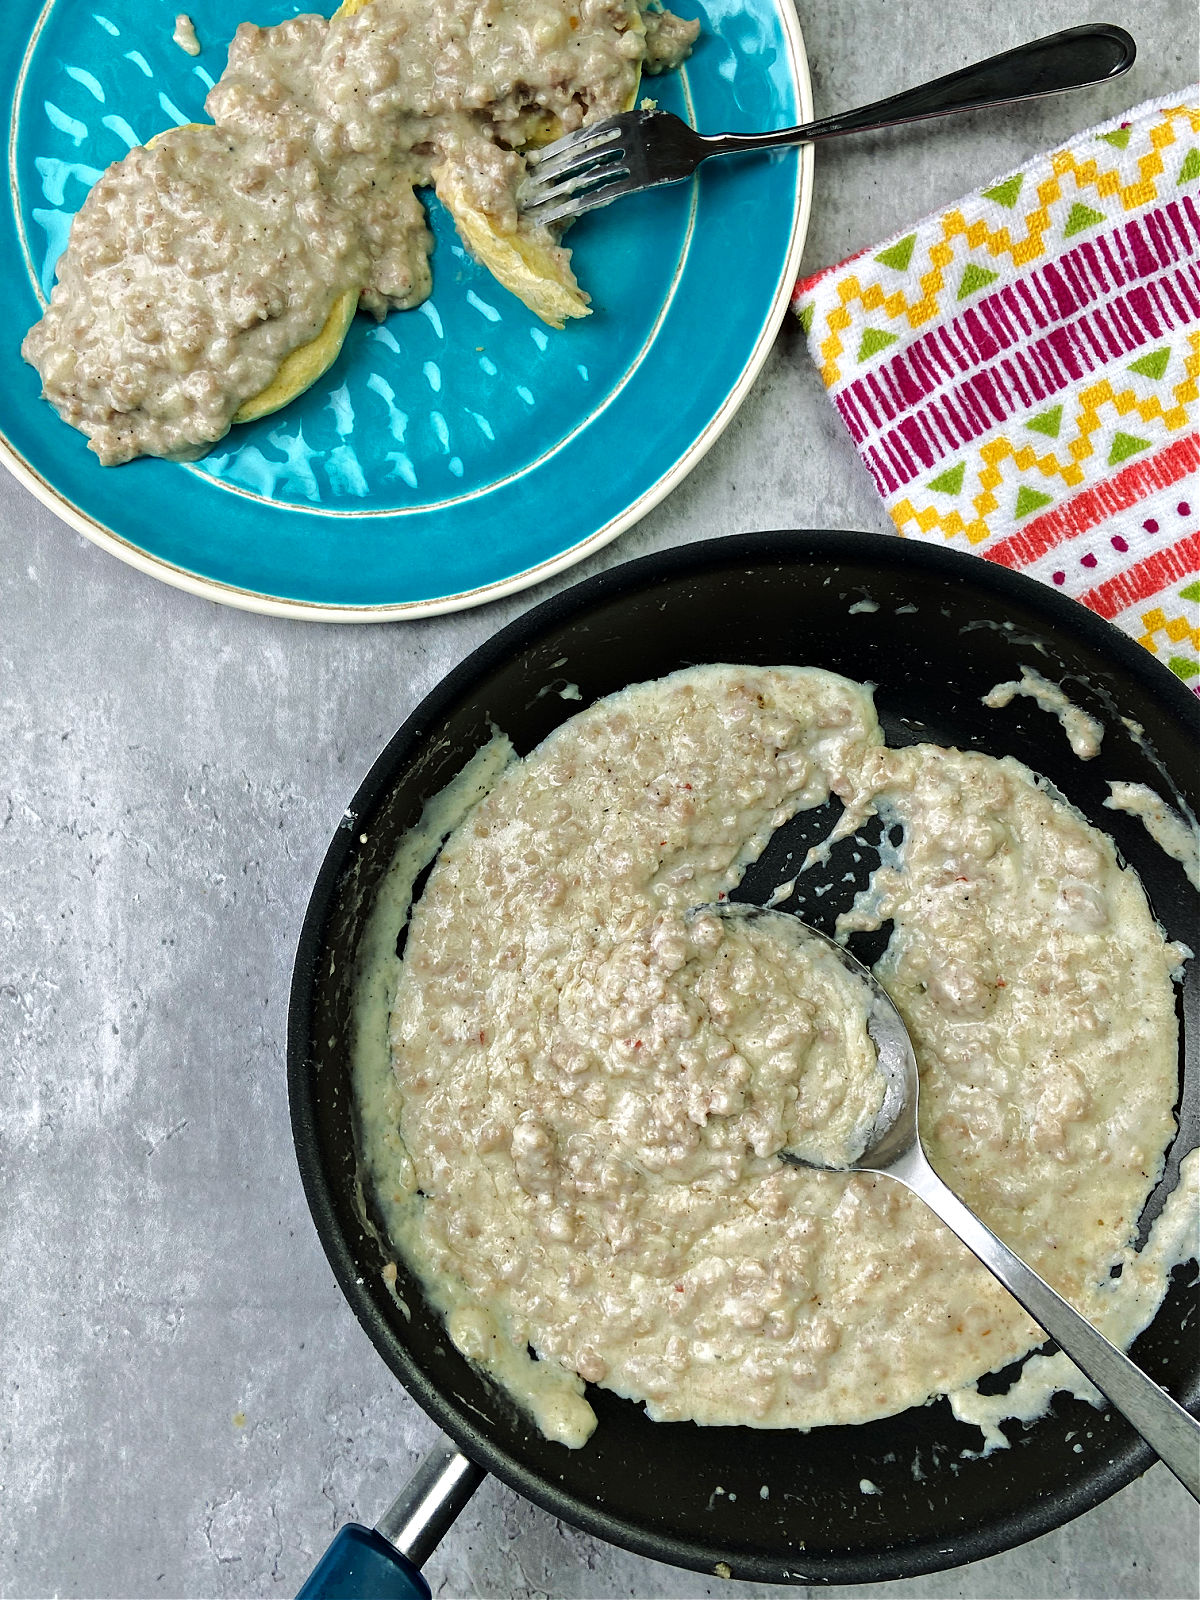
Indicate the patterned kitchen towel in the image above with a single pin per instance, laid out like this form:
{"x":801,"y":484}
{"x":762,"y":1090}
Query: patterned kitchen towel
{"x":1020,"y":372}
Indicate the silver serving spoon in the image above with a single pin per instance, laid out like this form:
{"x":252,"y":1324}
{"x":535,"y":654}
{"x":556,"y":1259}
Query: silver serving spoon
{"x":894,"y":1149}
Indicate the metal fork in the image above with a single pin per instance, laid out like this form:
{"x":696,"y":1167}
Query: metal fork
{"x":642,"y":149}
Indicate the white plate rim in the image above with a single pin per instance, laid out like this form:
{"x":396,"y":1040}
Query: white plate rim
{"x":319,"y":611}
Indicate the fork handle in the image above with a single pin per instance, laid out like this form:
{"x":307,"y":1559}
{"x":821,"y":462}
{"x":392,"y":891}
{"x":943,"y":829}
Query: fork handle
{"x":1072,"y":59}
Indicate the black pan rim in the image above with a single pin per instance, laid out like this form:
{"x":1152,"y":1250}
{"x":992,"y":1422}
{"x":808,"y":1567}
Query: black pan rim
{"x":914,"y":1560}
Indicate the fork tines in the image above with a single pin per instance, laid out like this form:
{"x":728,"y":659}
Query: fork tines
{"x":577,"y":173}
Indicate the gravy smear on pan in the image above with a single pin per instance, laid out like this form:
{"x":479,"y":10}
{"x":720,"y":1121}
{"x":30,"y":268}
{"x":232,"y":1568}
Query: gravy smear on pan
{"x":197,"y":264}
{"x":579,"y":1149}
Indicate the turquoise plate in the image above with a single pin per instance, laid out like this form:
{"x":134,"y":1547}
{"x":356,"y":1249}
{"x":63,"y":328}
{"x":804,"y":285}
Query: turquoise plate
{"x":453,"y":453}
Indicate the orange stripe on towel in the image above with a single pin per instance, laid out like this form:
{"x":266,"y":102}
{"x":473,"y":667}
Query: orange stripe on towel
{"x":1148,"y":577}
{"x":1092,"y":506}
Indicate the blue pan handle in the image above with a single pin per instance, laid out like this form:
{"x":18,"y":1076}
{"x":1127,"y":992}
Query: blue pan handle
{"x":361,"y":1564}
{"x":384,"y":1562}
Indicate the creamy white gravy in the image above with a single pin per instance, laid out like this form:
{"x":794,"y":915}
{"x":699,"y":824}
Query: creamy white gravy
{"x":184,"y":34}
{"x":1173,"y":834}
{"x":1121,"y":1314}
{"x":199,"y":263}
{"x":1082,"y":730}
{"x":579,"y":1149}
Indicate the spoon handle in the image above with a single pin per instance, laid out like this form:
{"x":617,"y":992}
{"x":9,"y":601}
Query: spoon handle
{"x":1166,"y":1426}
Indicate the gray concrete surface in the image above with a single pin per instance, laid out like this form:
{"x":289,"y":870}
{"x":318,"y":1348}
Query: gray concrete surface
{"x":188,"y":1406}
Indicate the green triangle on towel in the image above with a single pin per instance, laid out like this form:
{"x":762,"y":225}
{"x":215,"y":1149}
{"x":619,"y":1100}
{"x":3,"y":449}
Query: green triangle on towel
{"x":950,"y":481}
{"x":1030,"y":500}
{"x":1005,"y":194}
{"x":873,"y":341}
{"x":900,"y":254}
{"x":1047,"y":422}
{"x":806,"y":316}
{"x":1192,"y":592}
{"x":975,"y":278}
{"x":1153,"y":365}
{"x":1191,"y":166}
{"x":1182,"y":667}
{"x":1125,"y":445}
{"x":1081,"y":217}
{"x":1118,"y":138}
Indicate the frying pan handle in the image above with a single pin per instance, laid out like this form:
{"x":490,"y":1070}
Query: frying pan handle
{"x":360,"y":1564}
{"x":384,"y":1562}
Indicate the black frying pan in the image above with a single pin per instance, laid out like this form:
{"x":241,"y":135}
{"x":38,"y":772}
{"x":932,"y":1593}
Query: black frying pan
{"x":947,"y":628}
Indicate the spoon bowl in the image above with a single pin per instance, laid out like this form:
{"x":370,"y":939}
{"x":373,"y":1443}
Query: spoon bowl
{"x":893,"y":1149}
